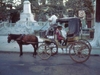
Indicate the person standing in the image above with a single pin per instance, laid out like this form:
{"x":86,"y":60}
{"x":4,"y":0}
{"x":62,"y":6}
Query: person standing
{"x":52,"y":22}
{"x":52,"y":19}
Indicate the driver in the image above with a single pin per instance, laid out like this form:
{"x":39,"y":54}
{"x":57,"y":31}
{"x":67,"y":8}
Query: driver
{"x":52,"y":20}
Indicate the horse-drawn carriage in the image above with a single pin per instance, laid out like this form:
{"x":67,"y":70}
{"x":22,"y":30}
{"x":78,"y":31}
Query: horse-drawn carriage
{"x":79,"y":49}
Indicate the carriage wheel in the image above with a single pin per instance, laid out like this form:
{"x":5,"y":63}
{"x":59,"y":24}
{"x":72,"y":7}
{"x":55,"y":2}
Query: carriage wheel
{"x":44,"y":51}
{"x":87,"y":42}
{"x":54,"y":48}
{"x":79,"y":52}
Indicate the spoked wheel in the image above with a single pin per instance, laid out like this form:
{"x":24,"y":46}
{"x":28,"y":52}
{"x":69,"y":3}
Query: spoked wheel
{"x":54,"y":48}
{"x":44,"y":51}
{"x":87,"y":42}
{"x":79,"y":52}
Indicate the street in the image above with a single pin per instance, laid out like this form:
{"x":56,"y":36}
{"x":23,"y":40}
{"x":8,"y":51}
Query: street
{"x":60,"y":64}
{"x":80,"y":18}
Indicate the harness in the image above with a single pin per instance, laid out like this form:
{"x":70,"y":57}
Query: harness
{"x":21,"y":37}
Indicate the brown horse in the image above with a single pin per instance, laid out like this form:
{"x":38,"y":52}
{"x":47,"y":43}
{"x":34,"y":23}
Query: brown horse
{"x":24,"y":40}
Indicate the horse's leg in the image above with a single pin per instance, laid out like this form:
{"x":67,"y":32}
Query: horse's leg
{"x":34,"y":53}
{"x":36,"y":47}
{"x":20,"y":46}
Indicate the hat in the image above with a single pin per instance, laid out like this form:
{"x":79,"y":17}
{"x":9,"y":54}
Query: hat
{"x":59,"y":26}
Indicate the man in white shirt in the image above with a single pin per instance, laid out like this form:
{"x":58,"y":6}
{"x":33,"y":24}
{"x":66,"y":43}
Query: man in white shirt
{"x":64,"y":30}
{"x":52,"y":21}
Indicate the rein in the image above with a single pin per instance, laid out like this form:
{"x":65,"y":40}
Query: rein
{"x":15,"y":37}
{"x":20,"y":37}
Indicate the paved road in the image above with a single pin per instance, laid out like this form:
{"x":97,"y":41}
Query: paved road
{"x":61,"y":64}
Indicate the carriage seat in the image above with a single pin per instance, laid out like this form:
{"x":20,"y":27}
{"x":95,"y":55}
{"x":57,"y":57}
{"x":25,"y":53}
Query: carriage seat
{"x":71,"y":37}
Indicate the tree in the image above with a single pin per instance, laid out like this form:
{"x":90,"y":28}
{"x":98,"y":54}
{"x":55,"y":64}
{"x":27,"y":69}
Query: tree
{"x":56,"y":6}
{"x":77,"y":5}
{"x":96,"y":40}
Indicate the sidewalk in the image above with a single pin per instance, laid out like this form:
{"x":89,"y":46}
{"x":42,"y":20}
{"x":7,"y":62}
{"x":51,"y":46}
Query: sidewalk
{"x":13,"y":47}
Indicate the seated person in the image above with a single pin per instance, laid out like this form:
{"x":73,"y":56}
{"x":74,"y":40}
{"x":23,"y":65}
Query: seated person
{"x":67,"y":31}
{"x":66,"y":28}
{"x":59,"y":34}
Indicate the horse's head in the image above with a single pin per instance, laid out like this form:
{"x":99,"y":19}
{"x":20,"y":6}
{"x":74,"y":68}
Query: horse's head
{"x":9,"y":38}
{"x":13,"y":37}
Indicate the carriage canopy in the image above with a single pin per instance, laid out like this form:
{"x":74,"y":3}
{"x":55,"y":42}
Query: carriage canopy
{"x":74,"y":24}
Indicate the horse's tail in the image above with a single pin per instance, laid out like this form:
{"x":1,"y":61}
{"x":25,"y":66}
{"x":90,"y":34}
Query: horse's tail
{"x":36,"y":43}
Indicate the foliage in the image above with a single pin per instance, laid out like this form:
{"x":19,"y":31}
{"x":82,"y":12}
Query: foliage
{"x":77,"y":5}
{"x":56,"y":6}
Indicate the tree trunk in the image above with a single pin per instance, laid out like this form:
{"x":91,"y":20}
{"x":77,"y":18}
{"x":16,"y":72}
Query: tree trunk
{"x":96,"y":40}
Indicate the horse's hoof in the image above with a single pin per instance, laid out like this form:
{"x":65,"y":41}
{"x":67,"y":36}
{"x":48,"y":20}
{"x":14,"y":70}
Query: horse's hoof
{"x":20,"y":55}
{"x":34,"y":56}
